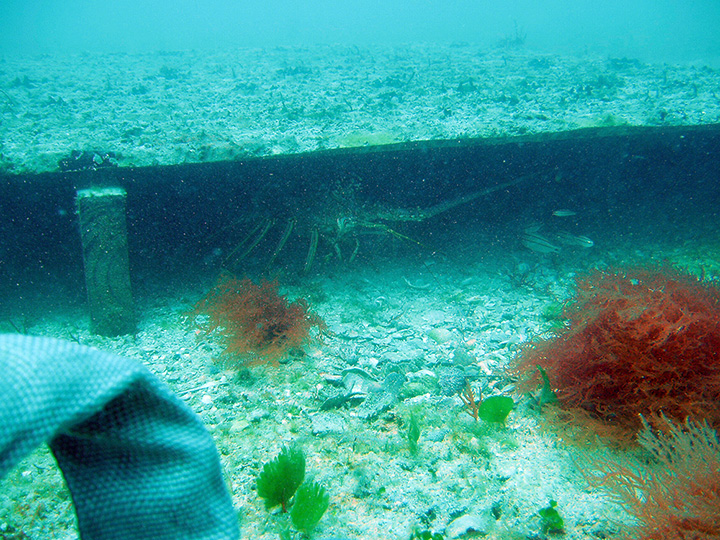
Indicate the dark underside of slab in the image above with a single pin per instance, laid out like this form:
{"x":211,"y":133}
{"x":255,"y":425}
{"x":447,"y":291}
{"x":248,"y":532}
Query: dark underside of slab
{"x":264,"y":214}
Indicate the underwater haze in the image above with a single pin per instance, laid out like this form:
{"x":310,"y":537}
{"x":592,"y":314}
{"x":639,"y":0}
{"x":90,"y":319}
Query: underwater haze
{"x":666,"y":30}
{"x":448,"y":253}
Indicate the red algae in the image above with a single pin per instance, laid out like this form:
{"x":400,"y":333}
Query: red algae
{"x":256,"y":322}
{"x":676,"y":496}
{"x":640,"y":341}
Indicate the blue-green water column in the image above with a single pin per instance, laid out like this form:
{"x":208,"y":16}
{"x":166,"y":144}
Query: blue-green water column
{"x":103,"y":231}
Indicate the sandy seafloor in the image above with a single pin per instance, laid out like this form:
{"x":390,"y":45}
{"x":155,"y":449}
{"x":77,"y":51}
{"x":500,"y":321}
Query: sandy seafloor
{"x":483,"y":303}
{"x":494,"y":478}
{"x":168,"y":108}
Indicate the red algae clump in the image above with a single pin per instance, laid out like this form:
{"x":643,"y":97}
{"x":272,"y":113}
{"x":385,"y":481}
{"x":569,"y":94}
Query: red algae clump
{"x":256,"y":322}
{"x":640,"y":341}
{"x":676,"y":496}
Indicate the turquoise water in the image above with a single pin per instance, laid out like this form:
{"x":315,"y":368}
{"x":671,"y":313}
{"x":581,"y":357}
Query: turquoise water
{"x":430,"y":180}
{"x":429,"y":272}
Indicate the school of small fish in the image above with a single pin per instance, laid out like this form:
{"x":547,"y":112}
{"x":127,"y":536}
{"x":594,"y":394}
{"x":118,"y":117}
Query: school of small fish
{"x":532,"y":239}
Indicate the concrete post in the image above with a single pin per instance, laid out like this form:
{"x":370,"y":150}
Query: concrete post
{"x":103,"y":231}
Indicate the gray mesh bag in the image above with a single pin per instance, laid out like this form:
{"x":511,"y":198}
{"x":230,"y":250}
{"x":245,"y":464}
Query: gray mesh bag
{"x":138,"y":462}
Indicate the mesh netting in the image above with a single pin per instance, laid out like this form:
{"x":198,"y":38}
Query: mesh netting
{"x":138,"y":462}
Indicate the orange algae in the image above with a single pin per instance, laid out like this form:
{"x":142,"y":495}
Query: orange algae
{"x":257,"y":323}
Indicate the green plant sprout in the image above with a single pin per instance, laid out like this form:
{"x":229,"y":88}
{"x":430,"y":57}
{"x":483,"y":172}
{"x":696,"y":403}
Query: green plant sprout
{"x":553,"y":313}
{"x":546,"y":395}
{"x":495,"y":408}
{"x":413,"y":434}
{"x":550,"y":520}
{"x":417,"y":534}
{"x":311,"y":501}
{"x":281,"y":477}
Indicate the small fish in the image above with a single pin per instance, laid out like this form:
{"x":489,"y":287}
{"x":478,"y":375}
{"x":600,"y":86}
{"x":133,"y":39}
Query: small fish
{"x":563,"y":213}
{"x":532,"y":228}
{"x":538,"y":243}
{"x":573,"y":240}
{"x":584,"y":241}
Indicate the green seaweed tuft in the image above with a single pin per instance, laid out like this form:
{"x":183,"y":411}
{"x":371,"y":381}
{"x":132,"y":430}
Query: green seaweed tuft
{"x":281,"y":477}
{"x":426,"y":534}
{"x":413,"y":434}
{"x":546,"y":395}
{"x":495,"y":408}
{"x":551,"y":521}
{"x":311,"y":501}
